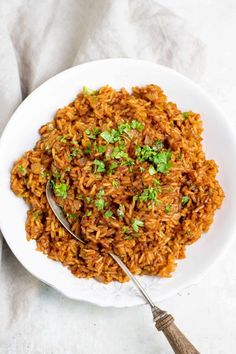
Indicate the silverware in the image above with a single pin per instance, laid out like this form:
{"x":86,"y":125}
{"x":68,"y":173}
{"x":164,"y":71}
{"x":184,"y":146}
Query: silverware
{"x":163,"y":321}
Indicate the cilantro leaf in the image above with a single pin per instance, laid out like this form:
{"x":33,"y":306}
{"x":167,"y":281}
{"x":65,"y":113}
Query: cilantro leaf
{"x":99,"y":166}
{"x":60,"y":190}
{"x":93,"y":134}
{"x":149,"y":194}
{"x":168,"y":208}
{"x":112,"y":166}
{"x":184,"y":200}
{"x":118,"y":153}
{"x":135,"y":124}
{"x":22,"y":170}
{"x":89,"y":92}
{"x":185,"y":115}
{"x":108,"y":214}
{"x":121,"y":211}
{"x":152,"y":171}
{"x":100,"y":203}
{"x":136,"y":224}
{"x":101,"y":149}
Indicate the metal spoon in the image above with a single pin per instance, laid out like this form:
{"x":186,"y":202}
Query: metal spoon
{"x":163,"y":321}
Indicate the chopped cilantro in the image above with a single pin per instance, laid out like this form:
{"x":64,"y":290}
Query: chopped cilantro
{"x":115,"y":183}
{"x":135,"y":198}
{"x":152,"y":171}
{"x":128,"y":237}
{"x":179,"y":157}
{"x":162,"y":160}
{"x":63,"y":139}
{"x":149,"y":194}
{"x":168,"y":208}
{"x":100,"y":203}
{"x":60,"y":190}
{"x":112,"y":166}
{"x":92,"y":134}
{"x":184,"y":200}
{"x":108,"y":214}
{"x":118,"y":153}
{"x":88,"y":149}
{"x":88,"y":213}
{"x":142,"y":169}
{"x":88,"y":199}
{"x":22,"y":170}
{"x":124,"y":128}
{"x":128,"y":162}
{"x":99,"y":166}
{"x":36,"y":215}
{"x":89,"y":92}
{"x":185,"y":115}
{"x":135,"y":124}
{"x":110,"y":136}
{"x":72,"y":216}
{"x":121,"y":211}
{"x":136,"y":224}
{"x":152,"y":155}
{"x":101,"y":149}
{"x":126,"y":230}
{"x":159,"y":145}
{"x":100,"y":193}
{"x":74,"y":152}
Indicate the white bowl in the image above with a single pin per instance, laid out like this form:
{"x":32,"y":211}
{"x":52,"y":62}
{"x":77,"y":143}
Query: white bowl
{"x":21,"y":134}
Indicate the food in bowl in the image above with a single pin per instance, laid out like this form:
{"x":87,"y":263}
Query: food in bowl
{"x":129,"y":172}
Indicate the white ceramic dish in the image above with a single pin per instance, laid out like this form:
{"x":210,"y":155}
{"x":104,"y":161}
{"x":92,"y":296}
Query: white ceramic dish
{"x":21,"y":134}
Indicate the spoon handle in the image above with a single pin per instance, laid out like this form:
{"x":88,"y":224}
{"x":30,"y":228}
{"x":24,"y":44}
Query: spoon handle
{"x":179,"y":343}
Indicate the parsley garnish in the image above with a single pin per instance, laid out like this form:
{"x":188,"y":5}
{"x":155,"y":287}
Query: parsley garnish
{"x":152,"y":171}
{"x":63,"y":139}
{"x":100,"y":203}
{"x":74,"y":152}
{"x":185,"y":115}
{"x":110,"y":137}
{"x":118,"y":153}
{"x":88,"y":213}
{"x":88,"y":149}
{"x":100,"y":193}
{"x":162,"y":160}
{"x":72,"y":216}
{"x":149,"y":194}
{"x":168,"y":208}
{"x":60,"y":190}
{"x":184,"y":200}
{"x":126,"y":230}
{"x":136,"y":224}
{"x":112,"y":166}
{"x":159,"y":145}
{"x":108,"y":214}
{"x":93,"y":134}
{"x":99,"y":166}
{"x":22,"y":170}
{"x":121,"y":211}
{"x":36,"y":215}
{"x":101,"y":149}
{"x":153,"y":155}
{"x":115,"y":183}
{"x":135,"y":124}
{"x":88,"y":91}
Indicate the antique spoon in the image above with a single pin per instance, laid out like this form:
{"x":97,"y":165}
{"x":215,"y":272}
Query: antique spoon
{"x":163,"y":321}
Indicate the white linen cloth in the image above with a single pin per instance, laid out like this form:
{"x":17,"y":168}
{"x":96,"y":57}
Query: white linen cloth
{"x":38,"y":39}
